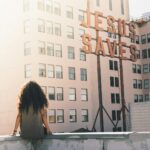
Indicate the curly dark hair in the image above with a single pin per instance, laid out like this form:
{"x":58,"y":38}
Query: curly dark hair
{"x":32,"y":95}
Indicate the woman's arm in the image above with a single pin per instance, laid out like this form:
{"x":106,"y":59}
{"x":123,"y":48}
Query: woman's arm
{"x":16,"y":124}
{"x":44,"y":119}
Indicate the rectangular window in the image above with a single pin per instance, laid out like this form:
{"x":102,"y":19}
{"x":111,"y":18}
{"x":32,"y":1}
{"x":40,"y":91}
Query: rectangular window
{"x":148,"y":37}
{"x":57,"y":8}
{"x":59,"y":93}
{"x":60,"y":115}
{"x":27,"y":26}
{"x":51,"y":93}
{"x":50,"y":49}
{"x":146,"y":83}
{"x":137,"y":41}
{"x":59,"y":72}
{"x":135,"y":98}
{"x":113,"y":65}
{"x":69,"y":12}
{"x":50,"y":71}
{"x":135,"y":83}
{"x":58,"y":50}
{"x":134,"y":68}
{"x":41,"y":25}
{"x":143,"y":39}
{"x":52,"y":115}
{"x":72,"y":94}
{"x":28,"y":72}
{"x":81,"y":15}
{"x":139,"y":84}
{"x":138,"y":54}
{"x":84,"y":94}
{"x":49,"y":6}
{"x":82,"y":55}
{"x":140,"y":98}
{"x":41,"y":47}
{"x":57,"y":29}
{"x":27,"y":48}
{"x":84,"y":113}
{"x":26,"y":5}
{"x":41,"y":5}
{"x":42,"y":70}
{"x":145,"y":68}
{"x":116,"y":115}
{"x":147,"y":97}
{"x":71,"y":71}
{"x":113,"y":98}
{"x":71,"y":54}
{"x":72,"y":115}
{"x":149,"y":53}
{"x":117,"y":129}
{"x":112,"y":84}
{"x":144,"y":54}
{"x":117,"y":98}
{"x":110,"y":4}
{"x":122,"y":7}
{"x":49,"y":27}
{"x":116,"y":82}
{"x":138,"y":69}
{"x":83,"y":74}
{"x":70,"y":32}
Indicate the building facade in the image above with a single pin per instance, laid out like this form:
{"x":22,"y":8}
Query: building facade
{"x":41,"y":41}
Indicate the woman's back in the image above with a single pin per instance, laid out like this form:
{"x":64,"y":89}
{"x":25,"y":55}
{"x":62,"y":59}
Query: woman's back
{"x":31,"y":124}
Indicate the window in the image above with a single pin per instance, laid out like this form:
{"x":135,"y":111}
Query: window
{"x":149,"y":52}
{"x":143,"y":39}
{"x":117,"y":129}
{"x":140,"y":98}
{"x":82,"y":55}
{"x":49,"y":27}
{"x":138,"y":54}
{"x":52,"y":115}
{"x":84,"y":113}
{"x":147,"y":97}
{"x":59,"y":72}
{"x":26,"y":5}
{"x":57,"y":29}
{"x":114,"y":81}
{"x":41,"y":25}
{"x":122,"y":7}
{"x":50,"y":49}
{"x":51,"y":93}
{"x":50,"y":71}
{"x":41,"y":5}
{"x":70,"y":32}
{"x":69,"y":12}
{"x":27,"y":48}
{"x":115,"y":98}
{"x":41,"y":47}
{"x":71,"y":54}
{"x":83,"y":74}
{"x":136,"y":68}
{"x":57,"y":8}
{"x":144,"y":53}
{"x":135,"y":83}
{"x":58,"y":50}
{"x":135,"y":98}
{"x":71,"y":73}
{"x":97,"y":2}
{"x":137,"y":41}
{"x":148,"y":37}
{"x":42,"y":70}
{"x":59,"y":93}
{"x":145,"y":68}
{"x":72,"y":94}
{"x":27,"y":70}
{"x":72,"y":115}
{"x":84,"y":94}
{"x":110,"y":4}
{"x":27,"y":26}
{"x":81,"y":33}
{"x":81,"y":15}
{"x":60,"y":115}
{"x":146,"y":83}
{"x":116,"y":115}
{"x":49,"y":6}
{"x":113,"y":65}
{"x":139,"y":84}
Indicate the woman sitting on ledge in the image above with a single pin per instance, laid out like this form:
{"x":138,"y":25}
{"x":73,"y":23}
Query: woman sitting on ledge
{"x":32,"y":112}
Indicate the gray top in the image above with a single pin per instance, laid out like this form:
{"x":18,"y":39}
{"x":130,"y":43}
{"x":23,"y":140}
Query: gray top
{"x":31,"y":125}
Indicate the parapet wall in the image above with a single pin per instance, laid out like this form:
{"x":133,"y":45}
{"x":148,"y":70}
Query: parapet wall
{"x":80,"y":141}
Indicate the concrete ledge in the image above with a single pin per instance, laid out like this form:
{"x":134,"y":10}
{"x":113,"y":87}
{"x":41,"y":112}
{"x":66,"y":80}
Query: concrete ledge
{"x":80,"y":141}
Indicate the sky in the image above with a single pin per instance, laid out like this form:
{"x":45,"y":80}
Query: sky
{"x":138,"y":7}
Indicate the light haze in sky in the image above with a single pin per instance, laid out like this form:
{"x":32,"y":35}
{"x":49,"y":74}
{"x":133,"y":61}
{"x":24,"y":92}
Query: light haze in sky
{"x":138,"y":7}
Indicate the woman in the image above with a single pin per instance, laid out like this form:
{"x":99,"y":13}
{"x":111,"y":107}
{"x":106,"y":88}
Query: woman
{"x":32,"y":112}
